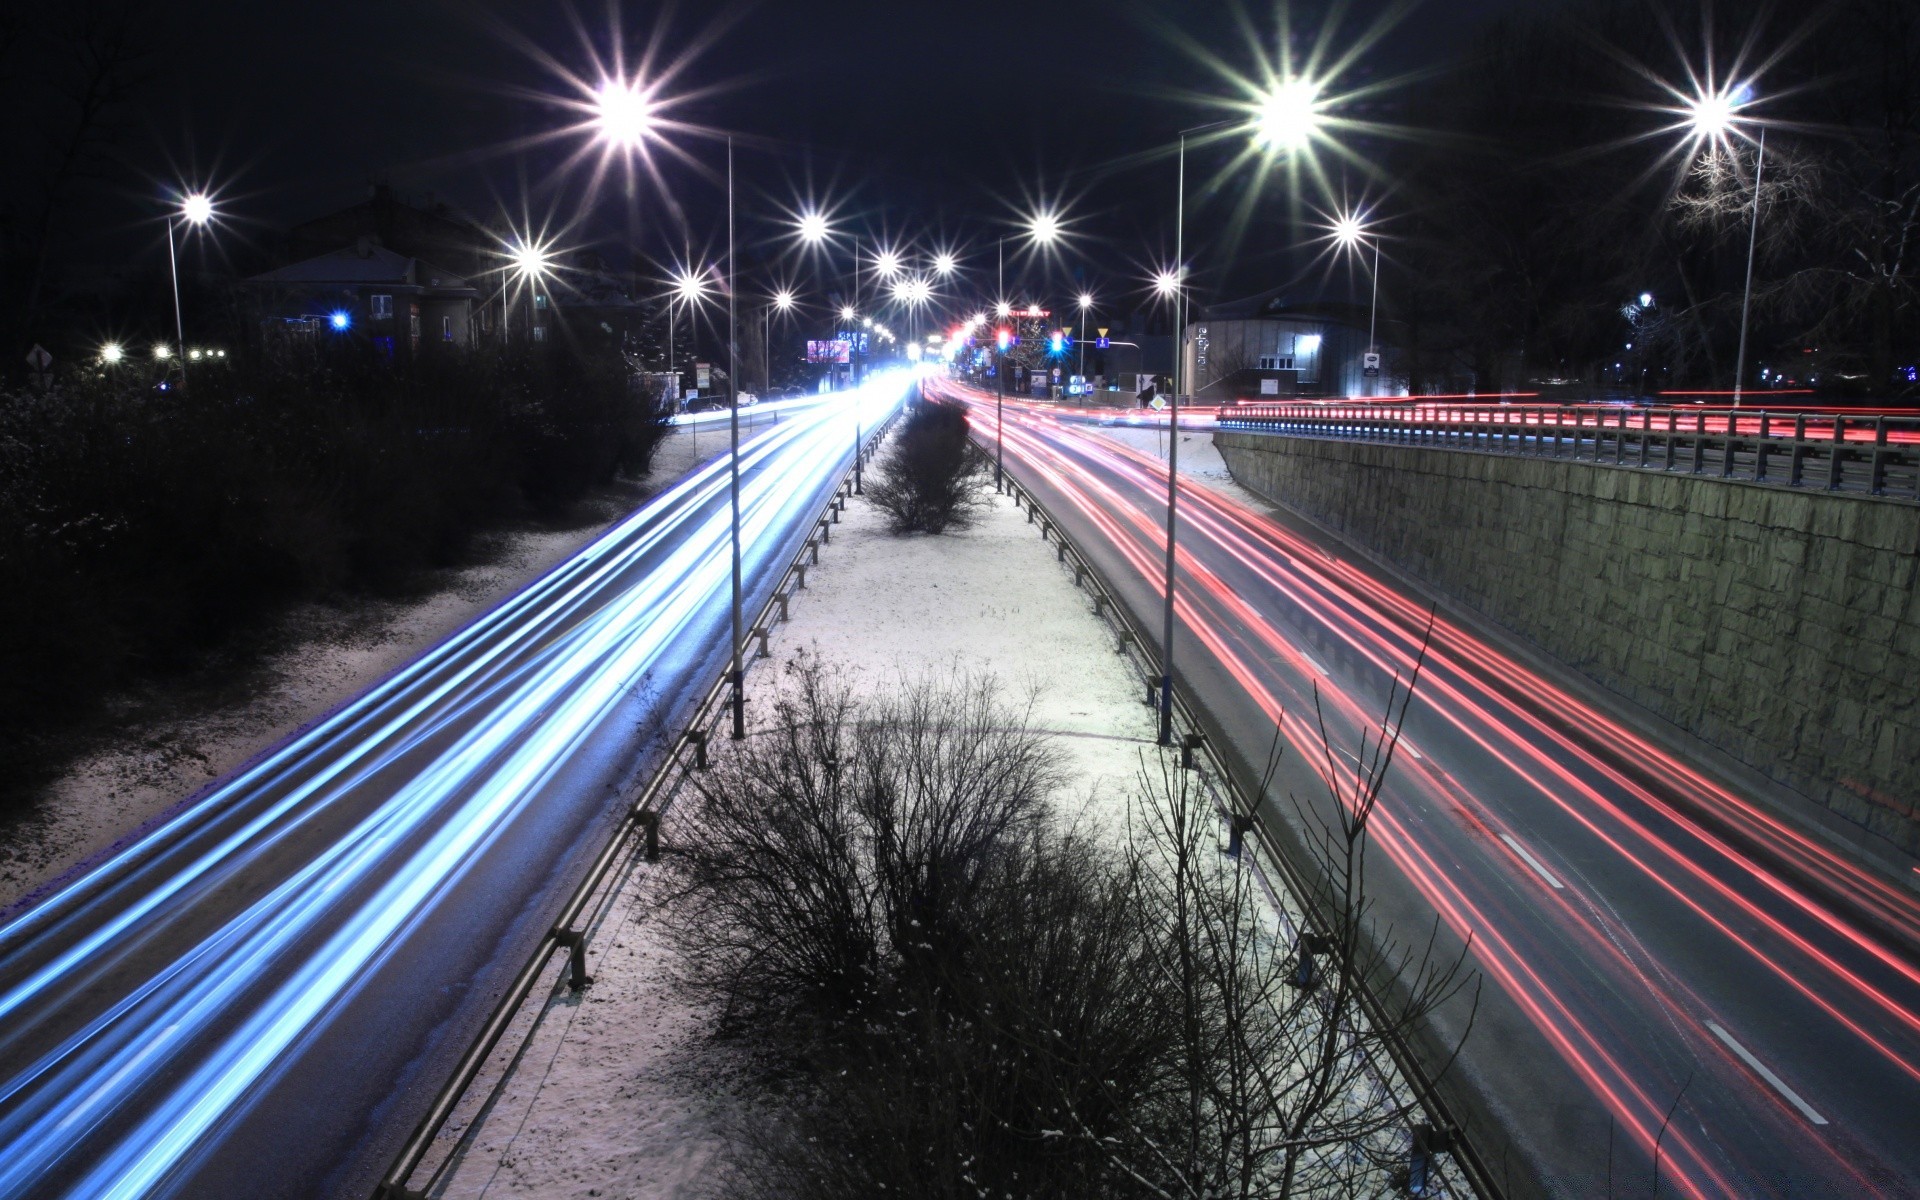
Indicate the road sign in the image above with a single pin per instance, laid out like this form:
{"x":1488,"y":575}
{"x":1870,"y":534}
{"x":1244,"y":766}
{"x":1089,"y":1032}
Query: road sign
{"x":38,"y":358}
{"x":1103,"y":335}
{"x":1370,"y":364}
{"x":1103,"y":344}
{"x":1056,"y":372}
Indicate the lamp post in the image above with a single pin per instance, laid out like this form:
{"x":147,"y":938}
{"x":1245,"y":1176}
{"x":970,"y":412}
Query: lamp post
{"x":1086,"y":306}
{"x":1285,"y":121}
{"x":816,"y":230}
{"x":1714,"y":116}
{"x":1351,"y":232}
{"x":196,"y":209}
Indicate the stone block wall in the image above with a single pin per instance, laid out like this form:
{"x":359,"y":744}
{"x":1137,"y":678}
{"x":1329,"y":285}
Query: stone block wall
{"x":1782,"y":627}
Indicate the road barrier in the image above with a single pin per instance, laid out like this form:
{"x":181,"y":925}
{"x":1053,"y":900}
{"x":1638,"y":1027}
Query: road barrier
{"x":1200,"y":750}
{"x":1873,"y":454}
{"x":638,"y":831}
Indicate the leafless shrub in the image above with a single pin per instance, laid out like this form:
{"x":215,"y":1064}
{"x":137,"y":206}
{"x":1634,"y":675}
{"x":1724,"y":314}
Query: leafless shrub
{"x":932,"y":479}
{"x":977,"y":1002}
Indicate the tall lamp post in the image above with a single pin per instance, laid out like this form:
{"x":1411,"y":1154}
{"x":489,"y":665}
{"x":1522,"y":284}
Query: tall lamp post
{"x":1351,"y":232}
{"x":1086,"y":306}
{"x":1714,"y":116}
{"x":196,"y":209}
{"x":1286,"y":121}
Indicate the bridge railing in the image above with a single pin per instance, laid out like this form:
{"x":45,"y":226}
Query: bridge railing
{"x":1864,"y":452}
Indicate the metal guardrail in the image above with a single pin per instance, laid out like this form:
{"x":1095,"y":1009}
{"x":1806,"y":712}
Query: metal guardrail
{"x":569,"y":932}
{"x":1197,"y":741}
{"x":1873,"y":454}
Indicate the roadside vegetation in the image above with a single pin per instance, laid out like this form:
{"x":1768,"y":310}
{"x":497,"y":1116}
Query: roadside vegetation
{"x":961,"y":996}
{"x":932,"y":478}
{"x":141,"y":529}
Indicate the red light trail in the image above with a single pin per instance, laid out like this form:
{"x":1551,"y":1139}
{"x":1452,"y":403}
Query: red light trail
{"x":1519,"y":759}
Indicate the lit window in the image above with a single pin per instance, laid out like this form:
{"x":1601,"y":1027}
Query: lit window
{"x":1276,"y":362}
{"x":382,"y":308}
{"x":539,"y":333}
{"x":539,"y":301}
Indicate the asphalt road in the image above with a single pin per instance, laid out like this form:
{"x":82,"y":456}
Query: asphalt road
{"x":258,"y":995}
{"x":1648,"y":940}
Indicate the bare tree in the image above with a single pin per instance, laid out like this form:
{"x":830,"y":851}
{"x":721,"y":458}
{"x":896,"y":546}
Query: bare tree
{"x":1282,"y":1081}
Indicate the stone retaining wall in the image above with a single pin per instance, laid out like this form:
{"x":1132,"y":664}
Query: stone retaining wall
{"x":1782,"y":627}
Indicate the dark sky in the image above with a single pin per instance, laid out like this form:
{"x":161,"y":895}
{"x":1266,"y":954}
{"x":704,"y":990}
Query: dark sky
{"x":935,"y":121}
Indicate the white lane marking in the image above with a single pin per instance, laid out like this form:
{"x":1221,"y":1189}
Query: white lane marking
{"x":1417,"y":756}
{"x":1760,"y":1069}
{"x":1314,"y":663}
{"x":1533,"y":862}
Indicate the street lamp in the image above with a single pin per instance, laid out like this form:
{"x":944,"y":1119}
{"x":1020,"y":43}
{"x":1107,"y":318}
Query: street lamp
{"x":1350,"y":232}
{"x":1713,"y":115}
{"x":1086,"y":306}
{"x":623,"y":114}
{"x":196,"y":209}
{"x":1285,"y":121}
{"x":530,"y":261}
{"x":112,"y":353}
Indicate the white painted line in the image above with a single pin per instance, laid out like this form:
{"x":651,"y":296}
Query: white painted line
{"x":1417,"y":756}
{"x":1533,"y":862}
{"x":1314,"y":663}
{"x":1760,"y":1069}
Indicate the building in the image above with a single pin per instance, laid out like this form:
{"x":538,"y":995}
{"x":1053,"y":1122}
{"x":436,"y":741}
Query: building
{"x":400,"y":303}
{"x":1266,"y":347}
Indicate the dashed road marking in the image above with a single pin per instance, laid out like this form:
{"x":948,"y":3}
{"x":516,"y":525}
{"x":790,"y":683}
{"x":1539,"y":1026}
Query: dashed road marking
{"x":1760,"y":1069}
{"x":1533,"y":862}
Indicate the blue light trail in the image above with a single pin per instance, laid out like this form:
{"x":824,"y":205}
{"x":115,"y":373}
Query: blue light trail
{"x":152,"y":997}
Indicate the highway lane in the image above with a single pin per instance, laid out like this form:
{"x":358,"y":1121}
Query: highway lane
{"x":257,"y":995}
{"x":1649,"y":938}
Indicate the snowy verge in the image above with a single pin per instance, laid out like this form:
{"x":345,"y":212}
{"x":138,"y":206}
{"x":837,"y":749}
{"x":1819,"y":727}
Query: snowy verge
{"x":168,"y":746}
{"x":622,"y":1091}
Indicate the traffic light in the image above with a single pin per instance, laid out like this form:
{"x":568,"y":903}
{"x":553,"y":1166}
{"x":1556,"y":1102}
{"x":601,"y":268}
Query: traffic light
{"x":1057,"y":344}
{"x":1003,"y":339}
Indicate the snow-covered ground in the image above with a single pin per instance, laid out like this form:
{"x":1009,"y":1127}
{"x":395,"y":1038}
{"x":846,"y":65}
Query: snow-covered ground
{"x":620,"y":1092}
{"x":1199,"y":460}
{"x":331,"y":655}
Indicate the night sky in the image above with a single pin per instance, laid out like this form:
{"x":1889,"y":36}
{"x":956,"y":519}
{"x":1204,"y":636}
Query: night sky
{"x":935,"y":122}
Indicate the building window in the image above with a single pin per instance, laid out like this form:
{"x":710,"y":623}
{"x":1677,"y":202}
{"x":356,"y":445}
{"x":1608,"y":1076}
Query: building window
{"x":446,"y":329}
{"x":1276,"y":362}
{"x":382,"y":308}
{"x":539,"y":333}
{"x":540,"y":302}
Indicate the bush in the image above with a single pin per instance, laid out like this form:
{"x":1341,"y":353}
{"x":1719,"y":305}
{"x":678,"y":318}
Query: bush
{"x":977,"y":1002}
{"x":932,"y":479}
{"x":140,"y":528}
{"x":880,"y":893}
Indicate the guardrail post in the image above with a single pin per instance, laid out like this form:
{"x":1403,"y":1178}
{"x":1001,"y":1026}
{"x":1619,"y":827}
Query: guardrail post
{"x":1877,"y":482}
{"x":800,"y":571}
{"x":1126,"y":641}
{"x":1760,"y":448}
{"x":1189,"y":744}
{"x":1153,"y":694}
{"x":697,"y":738}
{"x":1673,"y":426}
{"x":1062,"y":555}
{"x":826,"y":530}
{"x":761,"y":633}
{"x":1733,"y":441}
{"x":1427,"y":1143}
{"x":781,"y":598}
{"x":1306,"y":967}
{"x":650,"y":829}
{"x":1796,"y":474}
{"x":1837,"y":455}
{"x":1646,"y":434}
{"x":1079,"y":574}
{"x":1238,"y":827}
{"x":576,"y":945}
{"x":1700,"y":441}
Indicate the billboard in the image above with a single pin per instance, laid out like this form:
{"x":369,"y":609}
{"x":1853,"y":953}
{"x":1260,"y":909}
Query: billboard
{"x":829,"y":352}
